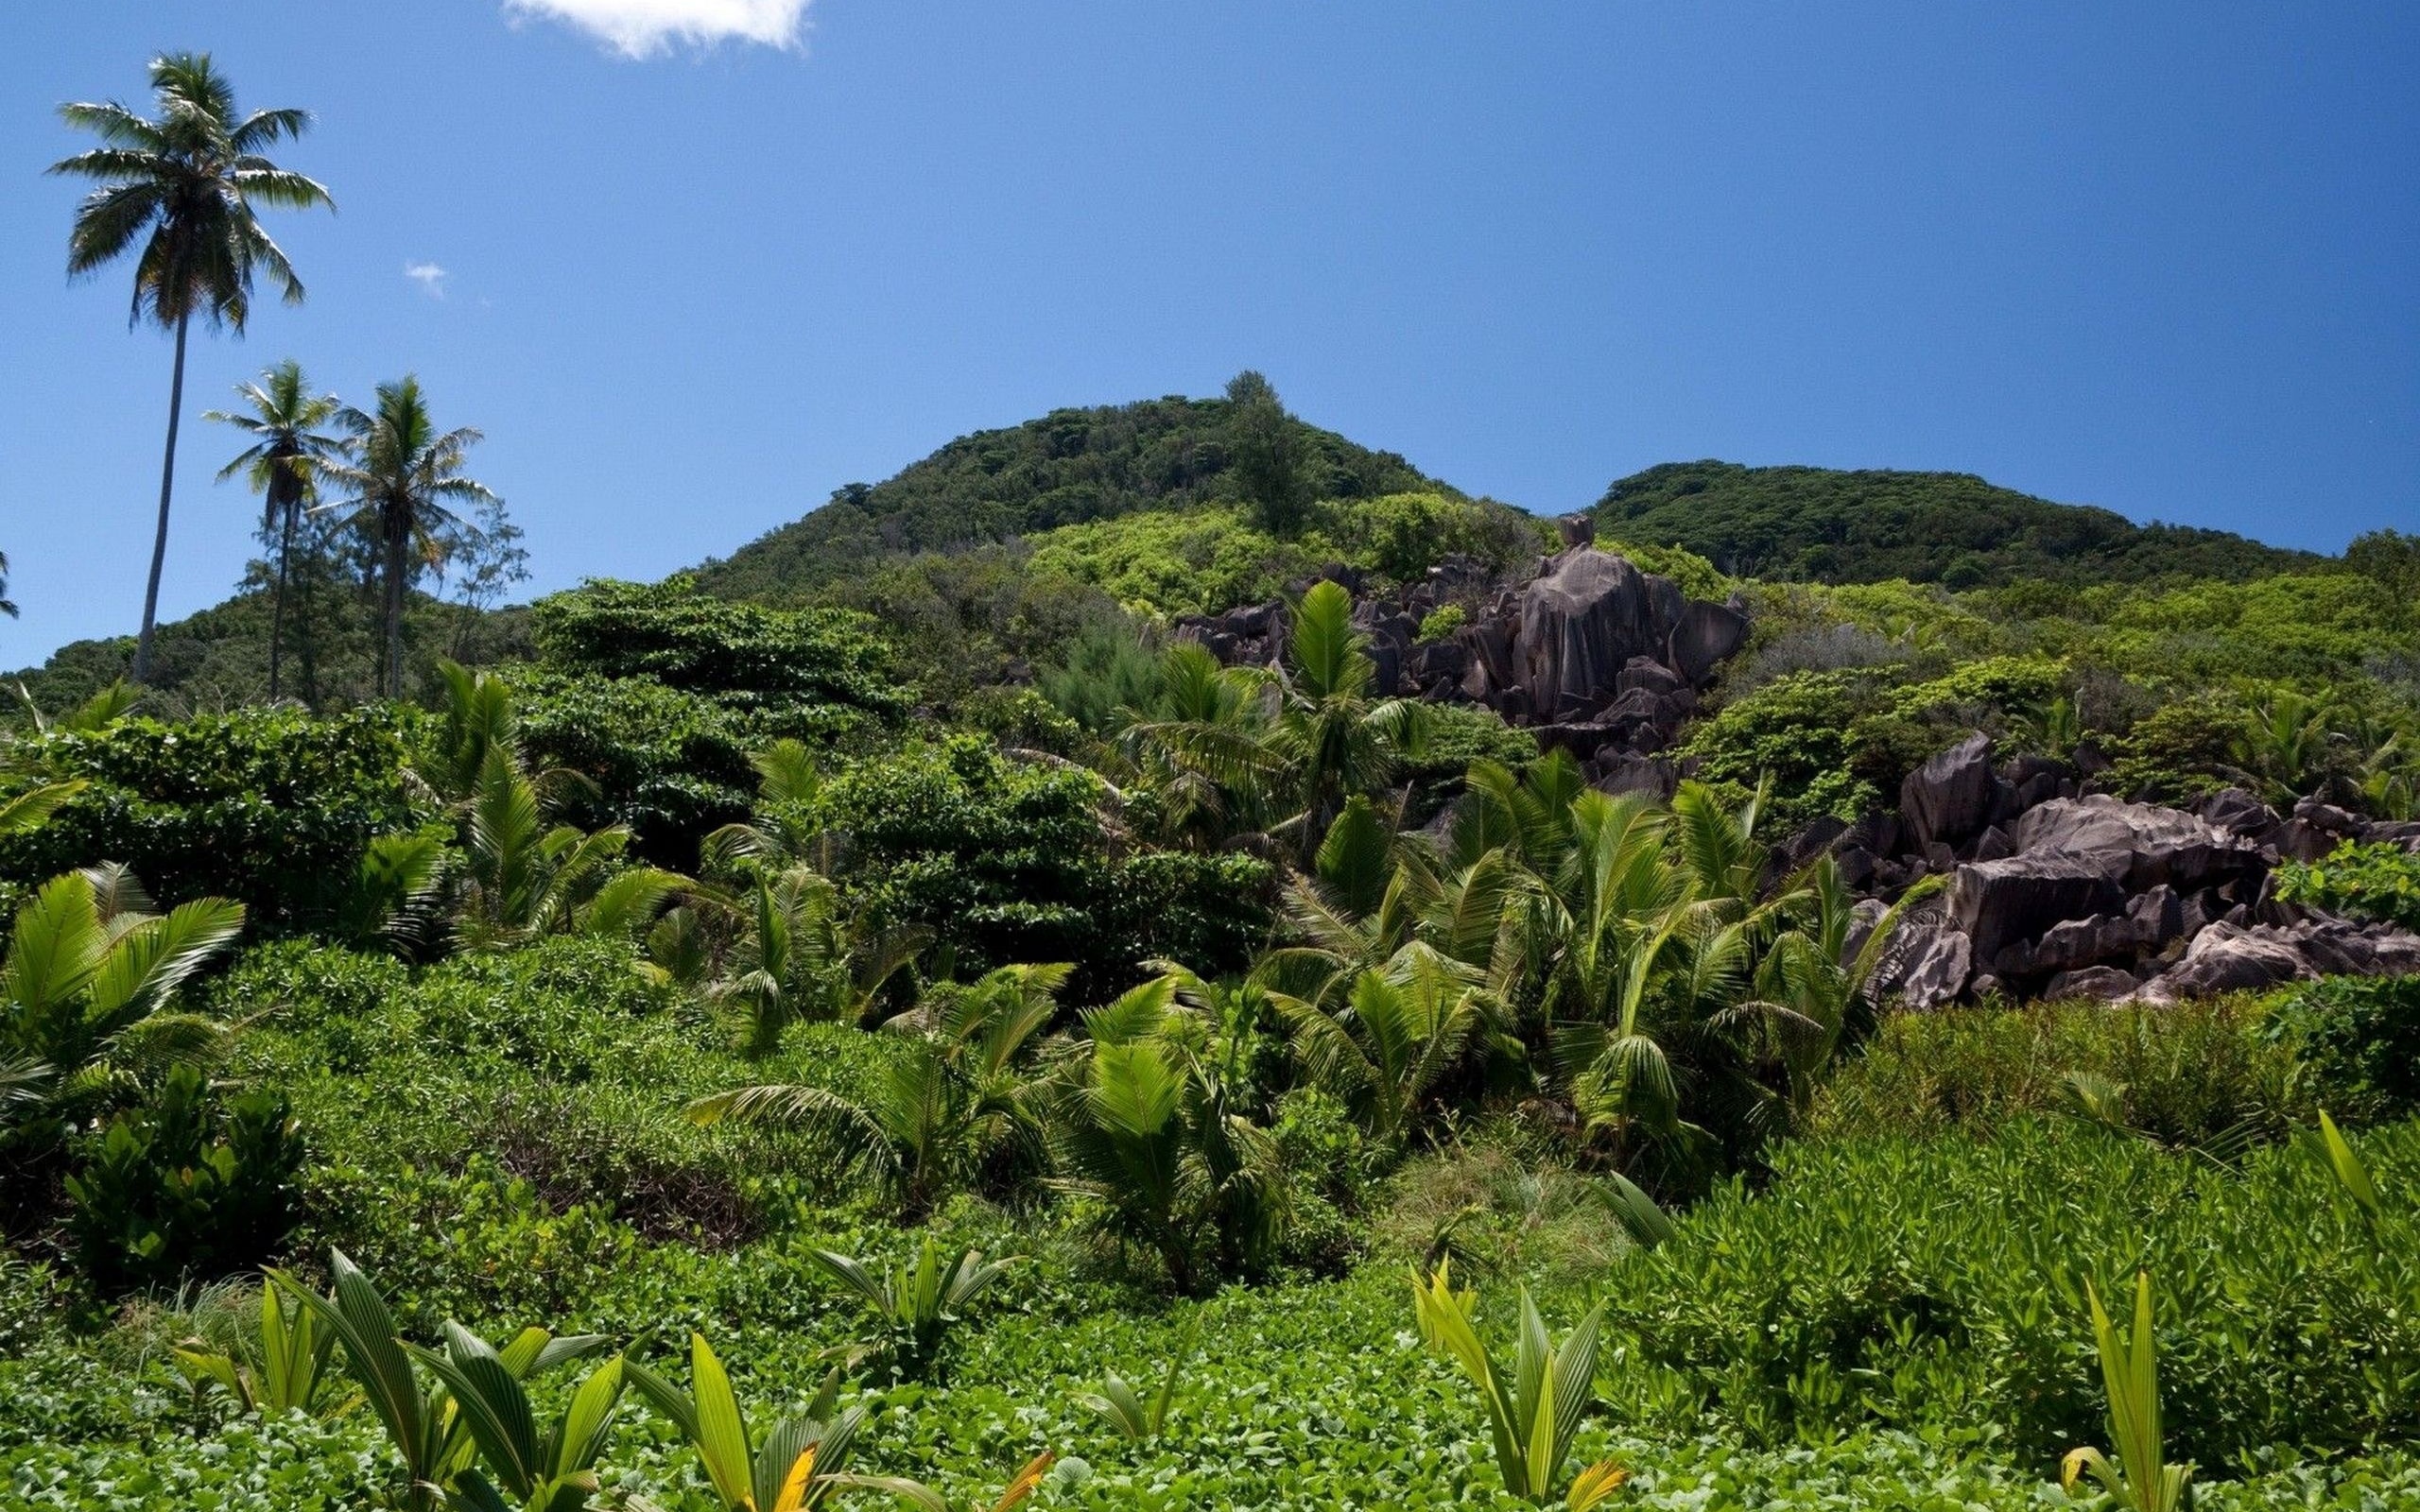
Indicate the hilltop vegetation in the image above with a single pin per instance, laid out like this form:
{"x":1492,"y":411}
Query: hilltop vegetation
{"x":1069,"y":467}
{"x":1821,"y":524}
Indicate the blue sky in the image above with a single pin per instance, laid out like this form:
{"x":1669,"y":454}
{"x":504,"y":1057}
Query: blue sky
{"x":705,"y":259}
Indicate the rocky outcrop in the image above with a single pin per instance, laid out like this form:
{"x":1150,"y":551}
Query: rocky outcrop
{"x":2054,"y":894}
{"x":1592,"y":655}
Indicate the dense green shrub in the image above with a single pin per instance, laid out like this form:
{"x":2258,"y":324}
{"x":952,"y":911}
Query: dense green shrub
{"x":1938,"y":1285}
{"x":271,"y":807}
{"x":670,"y":765}
{"x":546,"y":1082}
{"x":656,"y":694}
{"x":2180,"y":751}
{"x":1005,"y":861}
{"x":185,"y":1185}
{"x":2379,"y":881}
{"x":1066,"y":467}
{"x":1204,"y":559}
{"x":1874,"y":525}
{"x":2194,"y":1074}
{"x":1796,"y":731}
{"x":1189,"y":563}
{"x":677,"y":636}
{"x":2360,"y":1040}
{"x":967,"y":621}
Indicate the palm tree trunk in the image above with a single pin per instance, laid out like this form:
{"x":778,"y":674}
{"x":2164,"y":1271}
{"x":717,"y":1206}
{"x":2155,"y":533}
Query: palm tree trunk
{"x":167,"y":481}
{"x":396,"y":539}
{"x":277,"y":599}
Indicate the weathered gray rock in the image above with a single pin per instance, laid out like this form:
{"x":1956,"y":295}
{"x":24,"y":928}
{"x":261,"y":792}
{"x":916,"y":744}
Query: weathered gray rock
{"x":1645,"y":672}
{"x":2232,"y":808}
{"x":1950,"y":797}
{"x":2107,"y":983}
{"x":2226,"y":958}
{"x":2000,"y":903}
{"x":1704,"y":638}
{"x":2139,"y":844}
{"x":1632,"y":773}
{"x":2332,"y":947}
{"x":1926,"y":963}
{"x":1581,"y":624}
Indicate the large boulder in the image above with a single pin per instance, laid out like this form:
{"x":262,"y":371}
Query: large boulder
{"x":1581,"y":622}
{"x":1707,"y":635}
{"x":2014,"y":901}
{"x":1950,"y":797}
{"x":2139,"y":844}
{"x":1927,"y":961}
{"x":2228,"y":958}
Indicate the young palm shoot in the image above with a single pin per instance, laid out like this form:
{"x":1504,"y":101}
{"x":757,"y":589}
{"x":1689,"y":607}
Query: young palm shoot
{"x":794,"y":1466}
{"x":1536,"y":1418}
{"x":287,"y":1371}
{"x":2142,"y":1480}
{"x":1125,"y":1408}
{"x":916,"y":1303}
{"x":550,"y":1470}
{"x":2350,"y":1173}
{"x":429,"y":1428}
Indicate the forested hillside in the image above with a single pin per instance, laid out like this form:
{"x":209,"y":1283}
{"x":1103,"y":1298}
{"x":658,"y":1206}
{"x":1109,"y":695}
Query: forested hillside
{"x":1821,"y":524}
{"x":1089,"y":947}
{"x":1069,"y":467}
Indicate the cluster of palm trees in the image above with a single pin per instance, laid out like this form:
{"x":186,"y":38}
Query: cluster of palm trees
{"x":1231,"y":753}
{"x":1634,"y":974}
{"x":182,"y":190}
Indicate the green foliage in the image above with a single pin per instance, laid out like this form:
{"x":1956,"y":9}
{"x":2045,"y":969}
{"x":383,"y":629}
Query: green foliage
{"x":1136,"y":1419}
{"x":1211,"y":557}
{"x":657,"y":694}
{"x":1870,"y":526}
{"x":89,"y":971}
{"x":1067,"y":467}
{"x":2191,"y":1075}
{"x":1440,"y":623}
{"x":1005,"y":861}
{"x":2379,"y":881}
{"x":1794,"y":732}
{"x":280,"y":1366}
{"x":2142,"y":1480}
{"x":273,"y":807}
{"x":1267,"y":455}
{"x":2359,"y":1040}
{"x":185,"y":1185}
{"x":1166,"y":563}
{"x":916,"y":1303}
{"x":796,"y":1464}
{"x":1932,"y":1285}
{"x":1535,"y":1414}
{"x":681,"y":638}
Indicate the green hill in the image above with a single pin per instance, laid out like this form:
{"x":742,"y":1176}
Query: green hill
{"x":1066,"y":468}
{"x":1953,"y":528}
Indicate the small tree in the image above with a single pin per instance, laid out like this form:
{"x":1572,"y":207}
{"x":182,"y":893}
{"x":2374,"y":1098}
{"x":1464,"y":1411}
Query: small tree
{"x":1266,"y":445}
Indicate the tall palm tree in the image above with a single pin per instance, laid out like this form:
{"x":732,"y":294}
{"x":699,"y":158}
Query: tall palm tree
{"x":403,"y":471}
{"x":283,"y":464}
{"x":192,"y":178}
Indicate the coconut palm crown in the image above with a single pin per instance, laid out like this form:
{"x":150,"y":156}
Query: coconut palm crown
{"x":401,"y":472}
{"x":289,"y":451}
{"x":184,"y":185}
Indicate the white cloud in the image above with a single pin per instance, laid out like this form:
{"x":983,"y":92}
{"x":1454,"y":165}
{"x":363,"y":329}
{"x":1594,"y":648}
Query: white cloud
{"x":430,"y":278}
{"x":637,"y":28}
